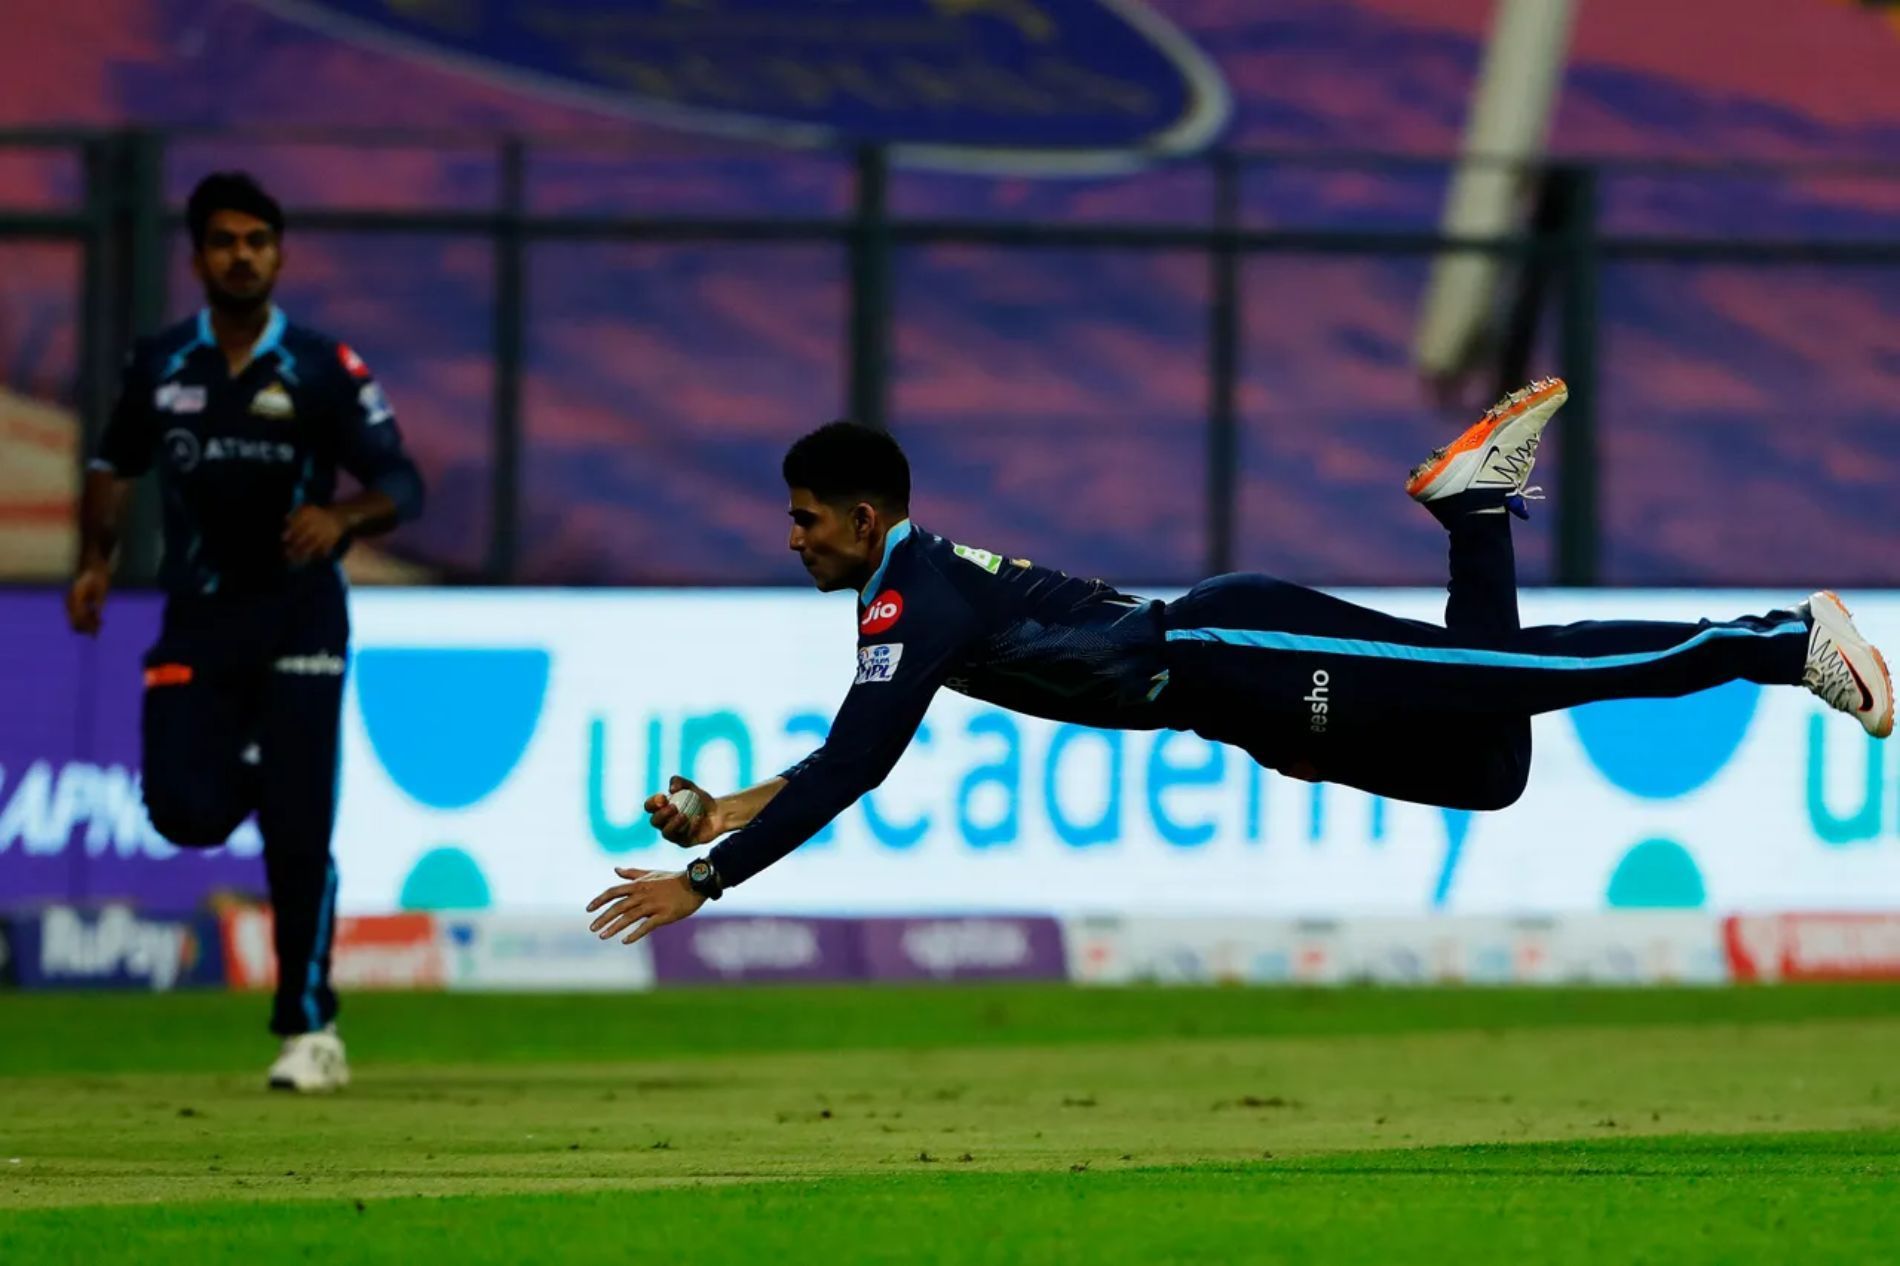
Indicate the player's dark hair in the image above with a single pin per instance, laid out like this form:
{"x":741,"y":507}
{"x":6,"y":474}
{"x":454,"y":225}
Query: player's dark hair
{"x":844,"y":461}
{"x":230,"y":191}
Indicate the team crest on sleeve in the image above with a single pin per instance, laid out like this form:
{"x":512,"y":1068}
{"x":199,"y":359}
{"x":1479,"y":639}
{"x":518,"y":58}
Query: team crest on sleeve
{"x":351,"y":361}
{"x":885,"y":610}
{"x":879,"y":663}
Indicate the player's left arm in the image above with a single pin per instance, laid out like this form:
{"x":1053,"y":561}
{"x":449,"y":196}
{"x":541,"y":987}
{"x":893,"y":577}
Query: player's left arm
{"x":369,"y":447}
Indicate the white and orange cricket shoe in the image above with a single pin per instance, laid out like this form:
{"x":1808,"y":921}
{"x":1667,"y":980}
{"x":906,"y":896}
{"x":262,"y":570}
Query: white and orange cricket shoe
{"x":1844,"y":668}
{"x":1496,"y":453}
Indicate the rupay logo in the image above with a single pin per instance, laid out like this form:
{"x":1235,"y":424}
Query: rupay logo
{"x":72,"y":948}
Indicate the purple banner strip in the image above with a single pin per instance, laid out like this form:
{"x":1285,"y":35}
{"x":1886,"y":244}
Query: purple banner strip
{"x":73,"y":828}
{"x":767,"y":948}
{"x":964,"y":949}
{"x":748,"y":948}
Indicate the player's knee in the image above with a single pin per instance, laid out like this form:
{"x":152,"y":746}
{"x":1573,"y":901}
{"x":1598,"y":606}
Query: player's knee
{"x":1510,"y":773}
{"x":191,"y":819}
{"x":1503,"y":793}
{"x":1498,"y":780}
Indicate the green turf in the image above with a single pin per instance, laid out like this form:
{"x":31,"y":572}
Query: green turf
{"x":991,"y":1124}
{"x":211,"y":1031}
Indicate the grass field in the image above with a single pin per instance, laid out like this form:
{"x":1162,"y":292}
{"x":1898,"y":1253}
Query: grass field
{"x":975,"y":1124}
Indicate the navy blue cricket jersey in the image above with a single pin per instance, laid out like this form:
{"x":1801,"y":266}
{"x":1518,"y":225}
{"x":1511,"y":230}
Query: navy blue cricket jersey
{"x":1003,"y":630}
{"x":236,"y":455}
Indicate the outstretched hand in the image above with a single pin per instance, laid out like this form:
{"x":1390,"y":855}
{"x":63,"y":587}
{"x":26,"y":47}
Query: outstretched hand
{"x":649,"y":898}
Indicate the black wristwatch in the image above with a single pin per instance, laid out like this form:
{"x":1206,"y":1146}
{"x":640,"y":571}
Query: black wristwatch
{"x":703,"y":879}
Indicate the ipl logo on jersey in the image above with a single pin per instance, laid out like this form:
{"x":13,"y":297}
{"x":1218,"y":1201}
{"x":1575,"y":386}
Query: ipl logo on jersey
{"x":878,"y":663}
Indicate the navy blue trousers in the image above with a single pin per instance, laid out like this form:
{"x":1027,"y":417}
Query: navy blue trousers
{"x":1323,"y":689}
{"x":264,"y":669}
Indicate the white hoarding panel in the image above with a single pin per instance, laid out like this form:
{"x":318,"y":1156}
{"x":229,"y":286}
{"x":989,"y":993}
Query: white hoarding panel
{"x":498,"y":747}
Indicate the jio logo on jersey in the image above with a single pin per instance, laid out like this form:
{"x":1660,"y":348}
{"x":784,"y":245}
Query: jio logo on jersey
{"x":883,"y":612}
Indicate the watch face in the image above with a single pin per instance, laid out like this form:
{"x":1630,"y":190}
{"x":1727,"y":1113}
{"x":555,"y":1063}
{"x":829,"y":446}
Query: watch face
{"x":699,"y":872}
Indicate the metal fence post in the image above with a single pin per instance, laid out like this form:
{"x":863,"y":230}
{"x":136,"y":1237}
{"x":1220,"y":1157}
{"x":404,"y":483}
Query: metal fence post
{"x":1578,"y":514}
{"x":1223,"y":366}
{"x":1537,"y":270}
{"x":144,"y":259}
{"x":510,"y":251}
{"x":870,"y":332}
{"x":96,"y":363}
{"x":123,"y":288}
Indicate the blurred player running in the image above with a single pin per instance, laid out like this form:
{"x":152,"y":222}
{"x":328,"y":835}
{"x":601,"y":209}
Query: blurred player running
{"x":247,"y":418}
{"x":1305,"y":683}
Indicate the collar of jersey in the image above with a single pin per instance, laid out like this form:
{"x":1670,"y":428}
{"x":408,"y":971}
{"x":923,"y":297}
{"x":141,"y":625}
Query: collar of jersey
{"x":892,"y":539}
{"x":268,"y":341}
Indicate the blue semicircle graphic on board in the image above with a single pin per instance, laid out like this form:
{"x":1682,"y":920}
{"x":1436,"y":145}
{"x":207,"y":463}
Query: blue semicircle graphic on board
{"x":446,"y":878}
{"x":1657,"y":874}
{"x":1663,"y":748}
{"x":450,"y":723}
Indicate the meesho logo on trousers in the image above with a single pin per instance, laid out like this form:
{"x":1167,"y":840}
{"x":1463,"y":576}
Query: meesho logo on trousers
{"x":449,"y":725}
{"x":1322,"y":685}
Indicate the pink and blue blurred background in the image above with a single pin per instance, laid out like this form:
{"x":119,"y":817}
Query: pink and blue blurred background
{"x":1054,"y":400}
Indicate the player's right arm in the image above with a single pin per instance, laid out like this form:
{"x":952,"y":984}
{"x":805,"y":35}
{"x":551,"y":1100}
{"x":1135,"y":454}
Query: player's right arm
{"x":896,"y":678}
{"x":125,"y":453}
{"x":723,"y":813}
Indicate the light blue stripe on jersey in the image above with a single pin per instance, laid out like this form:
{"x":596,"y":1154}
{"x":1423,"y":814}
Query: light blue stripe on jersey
{"x":204,"y":338}
{"x":270,"y":340}
{"x":892,"y":539}
{"x":1273,"y":641}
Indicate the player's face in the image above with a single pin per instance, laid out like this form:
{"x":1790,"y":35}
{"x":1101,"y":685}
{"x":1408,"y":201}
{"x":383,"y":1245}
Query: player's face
{"x":238,"y":262}
{"x":834,"y":542}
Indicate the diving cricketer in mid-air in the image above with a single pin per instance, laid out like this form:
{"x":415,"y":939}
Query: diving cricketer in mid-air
{"x":1305,"y":683}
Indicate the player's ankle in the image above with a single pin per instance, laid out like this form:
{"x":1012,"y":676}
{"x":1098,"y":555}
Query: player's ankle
{"x":1461,"y":507}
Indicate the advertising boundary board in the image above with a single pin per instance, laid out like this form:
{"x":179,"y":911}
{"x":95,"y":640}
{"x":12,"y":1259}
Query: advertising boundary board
{"x":498,"y":745}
